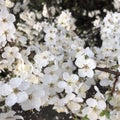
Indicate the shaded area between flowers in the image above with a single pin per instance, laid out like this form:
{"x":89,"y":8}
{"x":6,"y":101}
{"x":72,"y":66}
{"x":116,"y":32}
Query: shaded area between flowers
{"x":46,"y":113}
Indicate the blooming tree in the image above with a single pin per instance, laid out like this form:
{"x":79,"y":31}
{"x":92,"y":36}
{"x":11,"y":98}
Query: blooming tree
{"x":48,"y":63}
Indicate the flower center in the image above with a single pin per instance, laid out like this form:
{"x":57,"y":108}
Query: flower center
{"x":16,"y":90}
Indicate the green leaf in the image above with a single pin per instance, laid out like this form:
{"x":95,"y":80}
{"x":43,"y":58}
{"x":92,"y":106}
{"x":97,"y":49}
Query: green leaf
{"x":102,"y":113}
{"x":86,"y":57}
{"x":85,"y":118}
{"x":75,"y":118}
{"x":106,"y":113}
{"x":109,"y":98}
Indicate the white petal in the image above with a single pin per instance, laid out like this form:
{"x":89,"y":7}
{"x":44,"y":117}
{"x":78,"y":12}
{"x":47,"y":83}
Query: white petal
{"x":11,"y":100}
{"x":86,"y":73}
{"x":80,"y":62}
{"x":21,"y":97}
{"x":66,"y":75}
{"x":36,"y":103}
{"x":74,"y":77}
{"x":39,"y":93}
{"x":82,"y":72}
{"x":26,"y":105}
{"x":15,"y":82}
{"x":104,"y":82}
{"x":62,"y":84}
{"x":70,"y":96}
{"x":91,"y":102}
{"x":74,"y":106}
{"x":24,"y":85}
{"x":90,"y":73}
{"x":68,"y":89}
{"x":5,"y":90}
{"x":89,"y":52}
{"x":91,"y":63}
{"x":78,"y":99}
{"x":101,"y":105}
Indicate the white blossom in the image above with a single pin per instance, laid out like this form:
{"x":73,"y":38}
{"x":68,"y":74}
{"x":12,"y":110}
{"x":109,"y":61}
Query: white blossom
{"x":85,"y":66}
{"x":14,"y":91}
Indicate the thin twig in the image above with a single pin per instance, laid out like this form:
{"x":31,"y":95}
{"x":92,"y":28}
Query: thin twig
{"x":116,"y":73}
{"x":114,"y":84}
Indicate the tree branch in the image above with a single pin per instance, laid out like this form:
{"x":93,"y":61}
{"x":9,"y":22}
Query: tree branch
{"x":116,"y":73}
{"x":108,"y":71}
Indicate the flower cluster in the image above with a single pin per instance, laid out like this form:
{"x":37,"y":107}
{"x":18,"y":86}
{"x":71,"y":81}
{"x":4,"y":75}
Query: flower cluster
{"x":47,"y":63}
{"x":116,"y":4}
{"x":7,"y":30}
{"x":85,"y":63}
